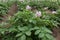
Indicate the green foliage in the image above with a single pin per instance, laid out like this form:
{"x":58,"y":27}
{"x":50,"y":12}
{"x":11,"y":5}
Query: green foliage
{"x":41,"y":4}
{"x":3,"y":8}
{"x":45,"y":34}
{"x":24,"y":25}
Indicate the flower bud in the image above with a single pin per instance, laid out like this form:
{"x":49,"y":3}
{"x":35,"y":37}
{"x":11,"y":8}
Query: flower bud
{"x":53,"y":12}
{"x":38,"y":14}
{"x":28,"y":7}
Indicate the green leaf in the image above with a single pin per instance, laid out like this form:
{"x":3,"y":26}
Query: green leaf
{"x":12,"y":29}
{"x":23,"y":37}
{"x":49,"y":36}
{"x":47,"y":30}
{"x":41,"y":35}
{"x":28,"y":33}
{"x":35,"y":28}
{"x":3,"y":32}
{"x":45,"y":38}
{"x":30,"y":20}
{"x":18,"y":38}
{"x":19,"y":34}
{"x":29,"y":38}
{"x":37,"y":32}
{"x":20,"y":28}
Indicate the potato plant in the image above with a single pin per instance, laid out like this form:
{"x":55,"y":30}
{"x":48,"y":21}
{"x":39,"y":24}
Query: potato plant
{"x":31,"y":22}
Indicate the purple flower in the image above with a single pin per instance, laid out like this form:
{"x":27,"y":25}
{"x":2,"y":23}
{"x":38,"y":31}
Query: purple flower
{"x":38,"y":14}
{"x":28,"y":7}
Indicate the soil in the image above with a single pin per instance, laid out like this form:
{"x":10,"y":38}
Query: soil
{"x":12,"y":10}
{"x":56,"y":33}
